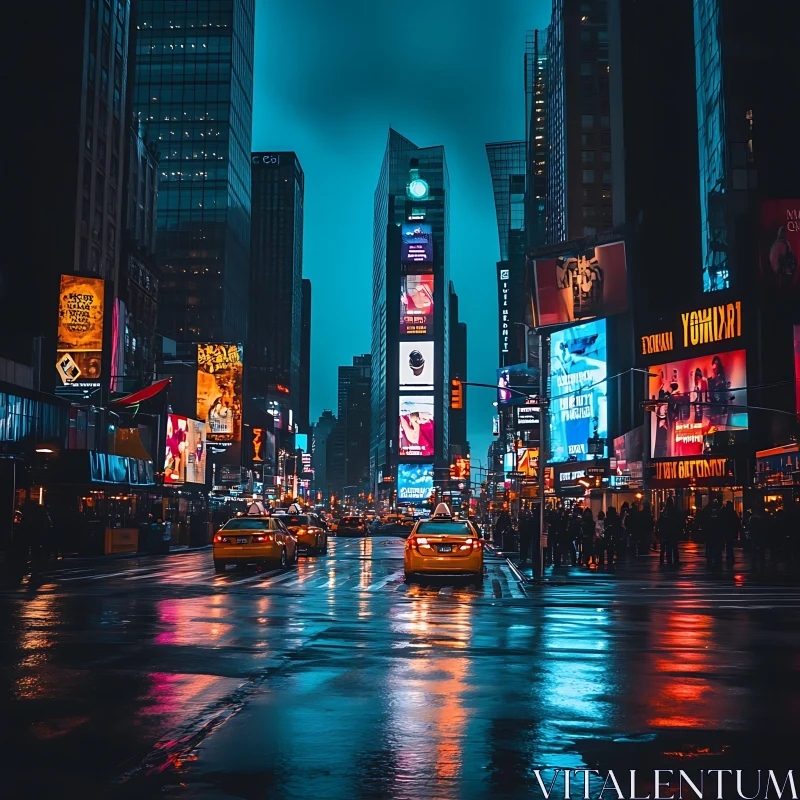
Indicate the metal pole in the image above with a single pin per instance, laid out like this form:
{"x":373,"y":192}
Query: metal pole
{"x":544,"y":425}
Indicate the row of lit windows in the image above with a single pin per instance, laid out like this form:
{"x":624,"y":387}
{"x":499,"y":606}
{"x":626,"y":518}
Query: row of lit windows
{"x":169,"y":44}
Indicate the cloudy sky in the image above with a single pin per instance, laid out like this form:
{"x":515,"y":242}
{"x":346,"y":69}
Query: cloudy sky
{"x":331,"y":76}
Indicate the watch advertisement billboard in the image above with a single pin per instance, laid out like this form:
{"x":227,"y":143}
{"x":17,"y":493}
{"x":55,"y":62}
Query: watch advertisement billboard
{"x":581,"y":285}
{"x":219,"y":391}
{"x":416,"y":426}
{"x":416,"y":305}
{"x":81,"y":303}
{"x":779,"y":244}
{"x":695,"y":398}
{"x":185,"y":458}
{"x":416,"y":366}
{"x":515,"y":384}
{"x":417,"y":243}
{"x":578,"y":405}
{"x":414,"y":482}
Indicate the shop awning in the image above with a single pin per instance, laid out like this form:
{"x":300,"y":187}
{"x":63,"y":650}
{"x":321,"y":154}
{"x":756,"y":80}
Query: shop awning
{"x":142,"y":394}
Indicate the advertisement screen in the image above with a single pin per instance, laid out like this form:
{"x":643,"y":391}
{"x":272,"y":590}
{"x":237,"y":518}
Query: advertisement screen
{"x":520,"y":378}
{"x":80,"y":330}
{"x":416,"y":426}
{"x":417,"y":244}
{"x":414,"y":482}
{"x":185,"y":458}
{"x":581,"y":286}
{"x":527,"y":459}
{"x":219,"y":391}
{"x":416,"y":366}
{"x":696,"y":397}
{"x":578,"y":408}
{"x":779,"y":244}
{"x":416,"y":305}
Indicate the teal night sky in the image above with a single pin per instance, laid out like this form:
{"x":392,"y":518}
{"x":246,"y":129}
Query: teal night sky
{"x":331,"y":76}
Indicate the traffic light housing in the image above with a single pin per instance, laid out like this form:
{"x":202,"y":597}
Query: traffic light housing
{"x":456,"y":394}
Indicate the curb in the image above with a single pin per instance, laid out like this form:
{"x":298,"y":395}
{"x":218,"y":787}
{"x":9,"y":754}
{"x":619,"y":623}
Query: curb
{"x":118,"y":556}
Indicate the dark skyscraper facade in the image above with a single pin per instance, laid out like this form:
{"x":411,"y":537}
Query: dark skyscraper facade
{"x":303,"y":412}
{"x":459,"y":446}
{"x":355,"y":385}
{"x":580,"y":169}
{"x":276,"y":284}
{"x":193,"y":94}
{"x":536,"y":138}
{"x":410,"y":319}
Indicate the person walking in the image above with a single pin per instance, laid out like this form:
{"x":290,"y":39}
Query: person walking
{"x":525,"y":534}
{"x":612,"y":534}
{"x":501,"y":527}
{"x":623,"y":540}
{"x":731,"y":526}
{"x":756,"y":527}
{"x":587,"y":536}
{"x":669,"y":528}
{"x":599,"y":548}
{"x":711,"y":525}
{"x":574,"y":535}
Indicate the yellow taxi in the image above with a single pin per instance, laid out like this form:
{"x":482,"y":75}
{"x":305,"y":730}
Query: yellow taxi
{"x":254,"y":540}
{"x":443,"y":546}
{"x":311,"y":533}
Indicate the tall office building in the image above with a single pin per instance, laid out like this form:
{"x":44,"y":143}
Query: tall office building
{"x":355,"y":386}
{"x":580,"y":107}
{"x":361,"y":369}
{"x":536,"y":138}
{"x":410,"y":325}
{"x":303,"y":413}
{"x":320,"y":431}
{"x":193,"y":93}
{"x":507,"y":164}
{"x":66,"y":166}
{"x":459,"y":446}
{"x":275,"y":336}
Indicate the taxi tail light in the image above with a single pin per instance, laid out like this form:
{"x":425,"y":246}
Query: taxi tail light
{"x":266,"y":537}
{"x":417,"y":541}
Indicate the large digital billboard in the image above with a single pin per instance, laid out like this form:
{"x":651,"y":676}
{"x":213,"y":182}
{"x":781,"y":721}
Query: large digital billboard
{"x":581,"y":286}
{"x":416,"y":366}
{"x":694,"y":398}
{"x":779,"y":244}
{"x":185,"y":458}
{"x":417,"y":244}
{"x":516,"y":383}
{"x":414,"y":482}
{"x":219,"y":391}
{"x":80,"y":330}
{"x":578,"y":403}
{"x":416,"y":305}
{"x":416,"y":426}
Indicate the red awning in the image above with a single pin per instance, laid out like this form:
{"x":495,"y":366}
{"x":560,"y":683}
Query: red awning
{"x":142,"y":394}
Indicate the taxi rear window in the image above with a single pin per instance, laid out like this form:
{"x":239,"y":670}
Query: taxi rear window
{"x":445,"y":528}
{"x":295,"y":520}
{"x":350,"y":520}
{"x":246,"y":525}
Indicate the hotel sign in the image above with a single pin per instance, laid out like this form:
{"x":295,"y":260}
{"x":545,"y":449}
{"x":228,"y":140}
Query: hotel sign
{"x":698,"y":471}
{"x":701,"y":326}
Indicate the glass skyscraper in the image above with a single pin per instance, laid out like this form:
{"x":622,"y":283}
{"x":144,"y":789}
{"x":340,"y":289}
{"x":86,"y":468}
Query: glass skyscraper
{"x":193,"y":94}
{"x":413,"y":194}
{"x":536,"y":137}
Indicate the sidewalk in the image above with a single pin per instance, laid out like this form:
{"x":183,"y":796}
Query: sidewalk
{"x":692,"y":566}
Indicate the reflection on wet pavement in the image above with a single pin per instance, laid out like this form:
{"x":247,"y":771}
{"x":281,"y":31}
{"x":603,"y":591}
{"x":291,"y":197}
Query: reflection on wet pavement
{"x":335,"y":679}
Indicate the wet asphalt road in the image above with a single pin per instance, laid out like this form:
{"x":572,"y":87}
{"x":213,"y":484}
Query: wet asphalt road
{"x":153,"y":677}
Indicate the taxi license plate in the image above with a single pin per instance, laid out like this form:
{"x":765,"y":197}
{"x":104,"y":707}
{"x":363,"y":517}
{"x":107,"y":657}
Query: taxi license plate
{"x":445,"y":548}
{"x":241,"y":540}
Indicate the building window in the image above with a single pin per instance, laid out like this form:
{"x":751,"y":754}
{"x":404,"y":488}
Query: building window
{"x":587,"y":157}
{"x":587,"y":122}
{"x":606,"y":156}
{"x":589,"y":230}
{"x":606,"y":177}
{"x":587,"y":68}
{"x":586,"y":35}
{"x":605,"y":122}
{"x":588,"y":212}
{"x":588,"y":176}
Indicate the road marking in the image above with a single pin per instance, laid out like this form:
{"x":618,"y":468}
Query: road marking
{"x":107,"y":574}
{"x":149,"y":575}
{"x":379,"y":584}
{"x":513,"y":587}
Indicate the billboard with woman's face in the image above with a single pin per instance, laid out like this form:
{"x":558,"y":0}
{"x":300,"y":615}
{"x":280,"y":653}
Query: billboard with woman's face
{"x":416,"y":426}
{"x":185,"y":457}
{"x":695,"y":398}
{"x":219,"y":391}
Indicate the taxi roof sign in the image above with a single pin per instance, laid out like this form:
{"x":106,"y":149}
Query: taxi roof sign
{"x":442,"y":512}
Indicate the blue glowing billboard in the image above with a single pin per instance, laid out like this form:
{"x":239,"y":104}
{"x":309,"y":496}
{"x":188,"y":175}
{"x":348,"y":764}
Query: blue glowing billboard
{"x":417,"y":243}
{"x":414,"y":482}
{"x":578,"y":402}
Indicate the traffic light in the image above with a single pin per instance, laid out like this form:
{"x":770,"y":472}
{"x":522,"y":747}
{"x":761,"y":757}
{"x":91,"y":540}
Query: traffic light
{"x":456,"y":394}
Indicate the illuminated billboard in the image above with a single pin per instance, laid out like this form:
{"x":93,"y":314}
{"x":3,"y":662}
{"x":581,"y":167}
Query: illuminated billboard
{"x":80,"y":330}
{"x":520,"y":378}
{"x":414,"y":482}
{"x":416,"y":366}
{"x":578,"y":405}
{"x":779,"y":244}
{"x":416,"y":305}
{"x":185,"y":458}
{"x":417,"y":246}
{"x":219,"y":391}
{"x":582,"y":285}
{"x":416,"y":426}
{"x":695,"y":398}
